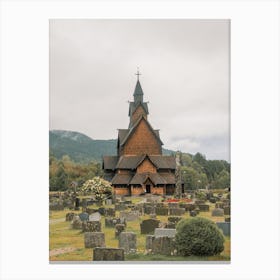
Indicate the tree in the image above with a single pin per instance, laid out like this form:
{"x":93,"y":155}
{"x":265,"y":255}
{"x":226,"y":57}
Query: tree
{"x":198,"y":237}
{"x":99,"y":187}
{"x":61,"y":177}
{"x":222,"y":180}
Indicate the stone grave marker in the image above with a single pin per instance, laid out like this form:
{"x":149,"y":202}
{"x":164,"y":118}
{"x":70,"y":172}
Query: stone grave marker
{"x":111,"y":222}
{"x":120,"y":207}
{"x":173,"y":205}
{"x":170,"y":225}
{"x":190,"y":207}
{"x":193,"y":213}
{"x":176,"y":211}
{"x":148,"y":226}
{"x":108,"y":202}
{"x":161,"y":211}
{"x":69,"y":217}
{"x":225,"y":227}
{"x":94,"y":239}
{"x":165,"y":232}
{"x":119,"y":228}
{"x":162,"y":245}
{"x":130,"y":216}
{"x":218,"y":212}
{"x":91,"y":226}
{"x":127,"y":241}
{"x":174,"y":219}
{"x":203,"y":207}
{"x":94,"y":217}
{"x":227,"y":219}
{"x":227,"y":210}
{"x":108,"y":254}
{"x":84,"y":216}
{"x":101,"y":210}
{"x":76,"y":223}
{"x":109,"y":212}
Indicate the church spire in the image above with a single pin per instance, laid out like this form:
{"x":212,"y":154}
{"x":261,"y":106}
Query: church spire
{"x":138,"y":92}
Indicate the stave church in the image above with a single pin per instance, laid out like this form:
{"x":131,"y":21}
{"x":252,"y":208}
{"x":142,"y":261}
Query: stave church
{"x":140,"y":167}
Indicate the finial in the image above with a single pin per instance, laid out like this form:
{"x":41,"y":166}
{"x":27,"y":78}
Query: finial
{"x":138,"y":74}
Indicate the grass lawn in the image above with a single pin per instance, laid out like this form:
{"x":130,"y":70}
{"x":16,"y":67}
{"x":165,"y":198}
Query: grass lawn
{"x":62,"y":237}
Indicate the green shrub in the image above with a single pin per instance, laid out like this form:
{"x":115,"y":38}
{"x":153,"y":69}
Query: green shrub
{"x":198,"y":237}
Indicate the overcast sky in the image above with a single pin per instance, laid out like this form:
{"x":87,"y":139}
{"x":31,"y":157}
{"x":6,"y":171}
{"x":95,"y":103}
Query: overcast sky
{"x":185,"y":78}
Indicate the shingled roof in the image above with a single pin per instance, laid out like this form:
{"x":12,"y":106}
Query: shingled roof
{"x":133,"y":106}
{"x":129,"y":162}
{"x":163,"y":162}
{"x":169,"y":178}
{"x":110,"y":162}
{"x":135,"y":126}
{"x":140,"y":178}
{"x":121,"y":179}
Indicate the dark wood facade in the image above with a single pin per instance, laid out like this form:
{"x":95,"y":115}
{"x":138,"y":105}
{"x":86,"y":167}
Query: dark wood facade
{"x":140,"y":166}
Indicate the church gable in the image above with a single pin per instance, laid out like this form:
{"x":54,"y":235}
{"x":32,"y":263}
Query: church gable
{"x":146,"y":166}
{"x":137,"y":113}
{"x":142,"y":140}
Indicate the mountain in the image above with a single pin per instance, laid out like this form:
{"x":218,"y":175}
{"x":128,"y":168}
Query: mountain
{"x":81,"y":148}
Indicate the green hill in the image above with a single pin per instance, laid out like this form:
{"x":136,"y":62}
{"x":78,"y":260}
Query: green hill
{"x":82,"y":148}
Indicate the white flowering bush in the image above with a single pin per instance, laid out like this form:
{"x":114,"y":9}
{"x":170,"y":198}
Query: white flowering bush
{"x":99,"y":187}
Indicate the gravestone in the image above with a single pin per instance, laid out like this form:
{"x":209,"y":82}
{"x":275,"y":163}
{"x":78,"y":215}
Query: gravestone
{"x":183,"y":205}
{"x":101,"y":210}
{"x":56,"y":206}
{"x":153,"y":216}
{"x":162,"y":245}
{"x":219,"y":205}
{"x":203,"y":207}
{"x":108,"y":202}
{"x":161,"y":211}
{"x":218,"y":212}
{"x":76,"y":223}
{"x":170,"y":225}
{"x":173,"y":205}
{"x":84,"y":216}
{"x":91,"y":226}
{"x":227,"y":210}
{"x":69,"y":217}
{"x":130,"y":216}
{"x":149,"y":209}
{"x":108,"y":254}
{"x":212,"y":199}
{"x":193,"y":213}
{"x":177,"y":211}
{"x":120,"y":207}
{"x":148,"y":226}
{"x":111,"y":222}
{"x":225,"y":227}
{"x":174,"y":219}
{"x":127,"y":241}
{"x":84,"y":203}
{"x":227,"y":219}
{"x":94,"y":239}
{"x":77,"y":203}
{"x":200,"y":201}
{"x":165,"y":232}
{"x":109,"y":212}
{"x":149,"y":242}
{"x":91,"y":211}
{"x":94,"y":217}
{"x":190,"y":207}
{"x":118,"y":229}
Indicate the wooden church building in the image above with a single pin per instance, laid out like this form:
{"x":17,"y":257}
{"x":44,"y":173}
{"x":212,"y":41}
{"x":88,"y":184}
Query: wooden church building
{"x":140,"y":167}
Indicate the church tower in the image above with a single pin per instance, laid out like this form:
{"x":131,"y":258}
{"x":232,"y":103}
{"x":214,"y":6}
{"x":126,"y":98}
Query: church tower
{"x":139,"y":166}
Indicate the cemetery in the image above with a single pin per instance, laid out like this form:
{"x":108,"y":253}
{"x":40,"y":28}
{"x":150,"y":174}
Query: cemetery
{"x":137,"y":228}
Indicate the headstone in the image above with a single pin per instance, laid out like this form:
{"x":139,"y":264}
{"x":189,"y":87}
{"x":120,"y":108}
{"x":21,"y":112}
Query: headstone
{"x":212,"y":199}
{"x":225,"y":227}
{"x":149,"y":242}
{"x":173,"y":205}
{"x":111,"y":222}
{"x":118,"y":229}
{"x":174,"y":219}
{"x":94,"y":239}
{"x":84,"y":203}
{"x":101,"y":210}
{"x":203,"y":207}
{"x":193,"y":213}
{"x":94,"y":217}
{"x":149,"y":209}
{"x":56,"y":206}
{"x":165,"y":232}
{"x":199,"y":201}
{"x":161,"y":211}
{"x":190,"y":207}
{"x":108,"y":202}
{"x":91,"y":226}
{"x":162,"y":245}
{"x":177,"y":211}
{"x":130,"y":216}
{"x":77,"y":203}
{"x":148,"y":226}
{"x":76,"y":223}
{"x":183,"y":205}
{"x":227,"y":210}
{"x":153,"y":216}
{"x":170,"y":225}
{"x":69,"y":217}
{"x":120,"y":207}
{"x":108,"y":254}
{"x":110,"y":212}
{"x":219,"y":205}
{"x":84,"y":216}
{"x":127,"y":241}
{"x":91,"y":211}
{"x":218,"y":212}
{"x":227,"y":219}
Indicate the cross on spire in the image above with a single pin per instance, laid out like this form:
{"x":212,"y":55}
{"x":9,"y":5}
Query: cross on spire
{"x":138,"y":74}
